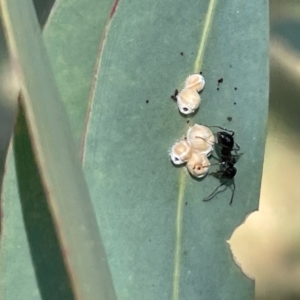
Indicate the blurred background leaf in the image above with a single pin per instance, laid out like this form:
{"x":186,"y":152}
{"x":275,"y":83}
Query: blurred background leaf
{"x":80,"y":253}
{"x":162,"y":240}
{"x":9,"y":91}
{"x":267,"y":245}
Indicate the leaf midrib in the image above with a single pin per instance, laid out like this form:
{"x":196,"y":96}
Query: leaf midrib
{"x":182,"y":177}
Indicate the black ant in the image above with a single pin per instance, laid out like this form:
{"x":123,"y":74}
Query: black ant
{"x":225,"y":139}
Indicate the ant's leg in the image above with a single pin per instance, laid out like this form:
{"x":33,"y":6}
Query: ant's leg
{"x":237,"y":145}
{"x":237,"y":155}
{"x":215,"y":164}
{"x":209,"y":197}
{"x":217,"y":158}
{"x":232,"y":195}
{"x":217,"y":172}
{"x":174,"y":95}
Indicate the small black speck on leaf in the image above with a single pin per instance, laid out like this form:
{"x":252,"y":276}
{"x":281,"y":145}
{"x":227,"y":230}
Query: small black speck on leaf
{"x":181,"y":53}
{"x":188,"y":121}
{"x":147,"y":101}
{"x":185,"y":203}
{"x":230,"y":66}
{"x":235,"y":88}
{"x":234,"y":103}
{"x":229,"y":119}
{"x":200,"y":73}
{"x":173,"y":97}
{"x":218,"y":89}
{"x":220,"y":81}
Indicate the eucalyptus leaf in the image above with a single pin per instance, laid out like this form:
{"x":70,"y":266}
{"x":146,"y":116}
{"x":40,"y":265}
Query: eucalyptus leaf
{"x":62,"y":177}
{"x":43,"y":9}
{"x":162,"y":241}
{"x":74,"y":36}
{"x":9,"y":91}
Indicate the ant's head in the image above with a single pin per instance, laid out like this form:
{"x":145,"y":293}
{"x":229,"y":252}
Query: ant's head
{"x":225,"y":139}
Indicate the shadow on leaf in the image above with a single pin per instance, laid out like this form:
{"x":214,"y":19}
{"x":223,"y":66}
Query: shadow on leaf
{"x":46,"y":255}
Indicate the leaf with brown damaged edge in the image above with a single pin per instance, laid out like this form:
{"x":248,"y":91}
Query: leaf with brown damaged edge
{"x":95,"y":76}
{"x":61,"y":174}
{"x":74,"y":36}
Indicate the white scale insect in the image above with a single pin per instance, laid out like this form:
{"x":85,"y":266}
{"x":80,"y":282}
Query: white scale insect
{"x":194,"y":150}
{"x":188,"y":100}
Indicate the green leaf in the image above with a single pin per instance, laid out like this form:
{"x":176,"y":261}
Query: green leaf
{"x":9,"y":91}
{"x":74,"y":38}
{"x":43,"y":9}
{"x":162,"y":241}
{"x":38,"y":246}
{"x":63,"y":181}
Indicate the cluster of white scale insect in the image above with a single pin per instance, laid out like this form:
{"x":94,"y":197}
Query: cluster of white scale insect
{"x":194,"y":150}
{"x":198,"y":144}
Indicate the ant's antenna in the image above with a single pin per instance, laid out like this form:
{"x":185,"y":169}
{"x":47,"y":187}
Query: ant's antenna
{"x":224,"y":146}
{"x":202,"y":138}
{"x":223,"y":128}
{"x":214,"y":164}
